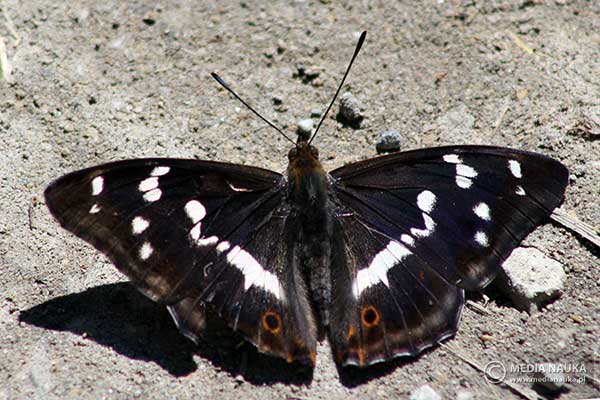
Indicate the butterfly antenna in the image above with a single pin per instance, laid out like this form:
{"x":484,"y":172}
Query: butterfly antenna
{"x":358,"y":46}
{"x":230,"y":90}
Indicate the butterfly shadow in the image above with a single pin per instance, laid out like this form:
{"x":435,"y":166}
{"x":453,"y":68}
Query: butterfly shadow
{"x":118,"y":316}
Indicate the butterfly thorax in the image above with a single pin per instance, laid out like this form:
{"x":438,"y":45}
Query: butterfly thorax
{"x":311,"y":208}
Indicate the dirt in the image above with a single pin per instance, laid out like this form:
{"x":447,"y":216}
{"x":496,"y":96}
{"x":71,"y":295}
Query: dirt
{"x":99,"y":81}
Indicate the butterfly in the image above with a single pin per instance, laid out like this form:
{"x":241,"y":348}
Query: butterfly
{"x":375,"y":255}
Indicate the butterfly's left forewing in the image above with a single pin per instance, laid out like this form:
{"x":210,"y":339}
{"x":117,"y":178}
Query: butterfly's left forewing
{"x":416,"y":228}
{"x":190,"y":233}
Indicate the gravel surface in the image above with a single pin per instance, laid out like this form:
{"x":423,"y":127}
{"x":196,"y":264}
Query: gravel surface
{"x":99,"y":81}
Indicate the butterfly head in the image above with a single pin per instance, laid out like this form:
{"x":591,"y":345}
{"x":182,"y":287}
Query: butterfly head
{"x":306,"y":175}
{"x":303,"y":153}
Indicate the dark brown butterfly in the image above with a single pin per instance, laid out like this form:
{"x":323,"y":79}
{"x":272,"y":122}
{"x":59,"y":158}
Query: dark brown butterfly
{"x":376,"y":254}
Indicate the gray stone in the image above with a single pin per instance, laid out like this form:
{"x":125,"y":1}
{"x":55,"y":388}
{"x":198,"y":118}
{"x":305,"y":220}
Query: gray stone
{"x":388,"y":141}
{"x":424,"y":392}
{"x":463,"y":394}
{"x":351,"y":110}
{"x":305,"y":127}
{"x":530,"y":278}
{"x":316,"y":112}
{"x":456,"y":125}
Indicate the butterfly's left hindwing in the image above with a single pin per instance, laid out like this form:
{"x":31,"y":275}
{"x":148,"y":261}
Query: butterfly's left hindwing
{"x":418,"y":227}
{"x":190,"y":233}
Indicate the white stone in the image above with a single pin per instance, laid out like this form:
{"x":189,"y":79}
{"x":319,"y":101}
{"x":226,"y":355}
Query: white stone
{"x":530,"y":278}
{"x":463,"y":394}
{"x":424,"y":392}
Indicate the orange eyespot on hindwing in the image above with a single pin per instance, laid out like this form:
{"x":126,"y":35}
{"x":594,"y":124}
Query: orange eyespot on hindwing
{"x":271,"y":322}
{"x":369,"y":316}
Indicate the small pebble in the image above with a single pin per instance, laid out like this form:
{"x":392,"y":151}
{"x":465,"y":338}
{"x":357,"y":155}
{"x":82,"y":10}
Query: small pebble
{"x":388,"y":141}
{"x":486,"y":337}
{"x":424,"y":392}
{"x":350,"y":109}
{"x":277,"y":100}
{"x":82,"y":15}
{"x":316,"y":113}
{"x":577,"y":318}
{"x":305,"y":127}
{"x":464,"y":395}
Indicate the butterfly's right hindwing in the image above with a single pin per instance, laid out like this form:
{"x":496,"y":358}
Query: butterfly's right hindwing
{"x":190,"y":233}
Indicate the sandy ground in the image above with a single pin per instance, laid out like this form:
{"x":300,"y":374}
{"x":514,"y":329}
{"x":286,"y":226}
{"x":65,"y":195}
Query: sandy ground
{"x":98,"y":81}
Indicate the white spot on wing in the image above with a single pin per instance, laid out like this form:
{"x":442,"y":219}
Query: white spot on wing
{"x":148,"y":184}
{"x":482,"y":211}
{"x":95,"y":209}
{"x":429,"y":226}
{"x":207,"y":241}
{"x":195,"y":210}
{"x":463,"y":175}
{"x":407,"y":239}
{"x":463,"y":182}
{"x":482,"y":239}
{"x":146,"y":251}
{"x":452,"y":159}
{"x":376,"y":272}
{"x":236,"y":189}
{"x":426,"y":201}
{"x":97,"y":185}
{"x":465,"y":170}
{"x":254,"y":272}
{"x":195,"y":232}
{"x":520,"y":191}
{"x":271,"y":284}
{"x":139,"y":225}
{"x":223,"y":246}
{"x":160,"y":171}
{"x":152,"y":195}
{"x":515,"y":168}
